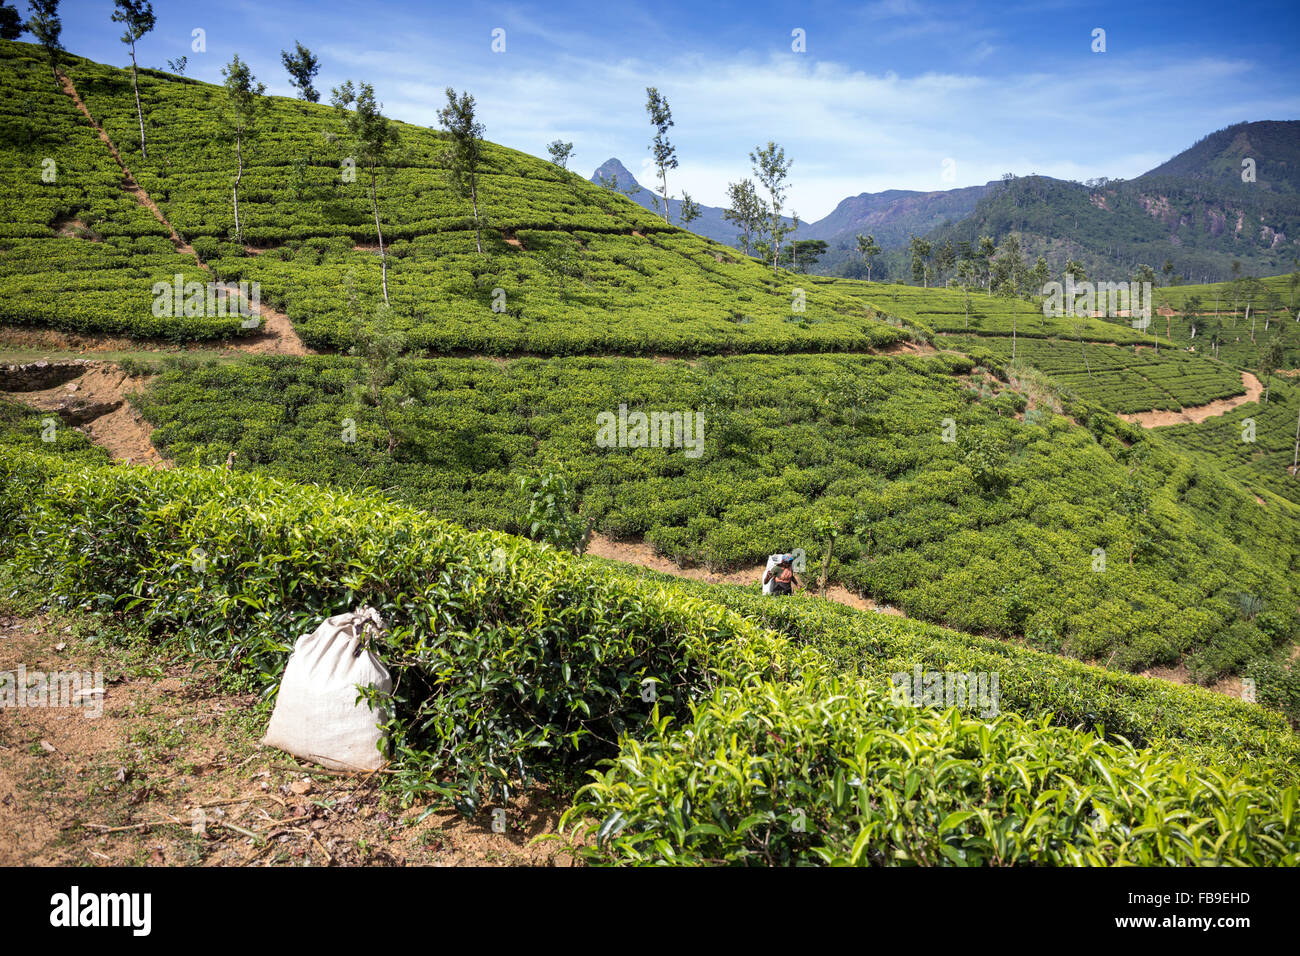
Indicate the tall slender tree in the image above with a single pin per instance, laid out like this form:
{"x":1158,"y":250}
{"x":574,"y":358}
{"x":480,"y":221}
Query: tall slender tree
{"x":373,"y":137}
{"x":1270,"y":363}
{"x":561,"y":152}
{"x":771,"y":167}
{"x":987,"y":250}
{"x":1077,"y":328}
{"x":689,"y":210}
{"x":965,"y":275}
{"x":1295,"y":458}
{"x":1036,"y":280}
{"x":1010,"y":275}
{"x":944,"y":258}
{"x":46,"y":26}
{"x":11,"y":23}
{"x":868,"y":249}
{"x":137,"y":18}
{"x":302,"y":66}
{"x":745,"y":210}
{"x":458,"y":118}
{"x":664,"y":152}
{"x":244,"y":106}
{"x":920,"y":250}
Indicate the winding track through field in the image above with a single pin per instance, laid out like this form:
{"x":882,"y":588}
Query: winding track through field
{"x":1195,"y":414}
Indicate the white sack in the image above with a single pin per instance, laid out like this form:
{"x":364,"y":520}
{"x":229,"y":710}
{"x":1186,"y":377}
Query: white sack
{"x":772,"y":561}
{"x":317,"y":715}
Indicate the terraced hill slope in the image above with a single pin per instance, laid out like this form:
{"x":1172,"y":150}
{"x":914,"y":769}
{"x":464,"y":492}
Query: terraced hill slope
{"x":570,"y":267}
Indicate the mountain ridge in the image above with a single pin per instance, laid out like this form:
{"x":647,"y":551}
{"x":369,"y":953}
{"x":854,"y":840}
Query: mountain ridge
{"x":1202,"y":209}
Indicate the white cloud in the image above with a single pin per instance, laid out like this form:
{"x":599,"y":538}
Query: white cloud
{"x":848,"y":130}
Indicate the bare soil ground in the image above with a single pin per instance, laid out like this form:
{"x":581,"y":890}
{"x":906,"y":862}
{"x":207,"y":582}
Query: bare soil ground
{"x":906,"y":348}
{"x":172,"y":773}
{"x":643,"y":555}
{"x":1229,"y":686}
{"x":97,"y":400}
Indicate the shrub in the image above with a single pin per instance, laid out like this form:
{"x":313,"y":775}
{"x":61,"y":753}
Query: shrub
{"x":819,"y":770}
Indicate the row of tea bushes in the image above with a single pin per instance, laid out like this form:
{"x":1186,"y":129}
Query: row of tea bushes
{"x":822,"y":770}
{"x":511,"y":662}
{"x":1118,"y":378}
{"x":1209,"y":727}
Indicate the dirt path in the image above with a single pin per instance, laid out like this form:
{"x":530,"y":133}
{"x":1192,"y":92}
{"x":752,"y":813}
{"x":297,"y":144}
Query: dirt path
{"x":1194,"y":414}
{"x":95,"y":402}
{"x":643,"y":555}
{"x":157,"y":766}
{"x":278,"y":335}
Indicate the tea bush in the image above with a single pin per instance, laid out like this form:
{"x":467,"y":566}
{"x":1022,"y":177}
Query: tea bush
{"x":1208,"y":727}
{"x":821,"y":770}
{"x":1116,"y":378}
{"x":1259,"y":456}
{"x":514,"y":662}
{"x":510,"y":660}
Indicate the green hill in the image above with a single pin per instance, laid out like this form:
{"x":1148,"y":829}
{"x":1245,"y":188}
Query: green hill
{"x":1194,"y":210}
{"x":570,"y":267}
{"x":77,"y":252}
{"x":963,"y":493}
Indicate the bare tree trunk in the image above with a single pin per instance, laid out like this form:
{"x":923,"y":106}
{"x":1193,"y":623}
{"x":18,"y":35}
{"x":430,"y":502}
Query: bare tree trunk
{"x":1295,"y":460}
{"x":239,"y":174}
{"x":138,"y":112}
{"x":473,"y":199}
{"x":1015,"y":311}
{"x":383,"y":257}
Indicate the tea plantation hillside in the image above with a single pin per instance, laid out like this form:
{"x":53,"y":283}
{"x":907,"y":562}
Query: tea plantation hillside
{"x":1200,"y":341}
{"x":995,"y":496}
{"x":1082,"y":535}
{"x":753,"y":750}
{"x":78,"y":253}
{"x":567,"y":266}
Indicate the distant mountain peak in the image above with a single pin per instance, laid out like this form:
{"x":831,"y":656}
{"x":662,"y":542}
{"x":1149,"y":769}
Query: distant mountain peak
{"x":612,"y":168}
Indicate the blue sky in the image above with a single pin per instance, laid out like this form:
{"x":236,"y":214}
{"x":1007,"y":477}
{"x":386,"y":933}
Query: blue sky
{"x":884,"y":94}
